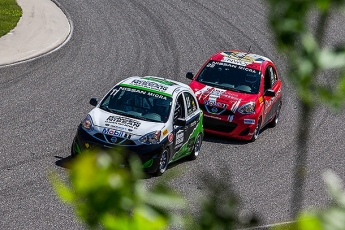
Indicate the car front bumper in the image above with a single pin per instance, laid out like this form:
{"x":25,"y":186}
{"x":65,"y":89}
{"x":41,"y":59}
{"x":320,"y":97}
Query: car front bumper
{"x":148,"y":154}
{"x":241,"y":128}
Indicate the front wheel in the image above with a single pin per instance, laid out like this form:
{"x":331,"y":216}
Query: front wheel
{"x":256,"y":131}
{"x":73,"y":152}
{"x":196,"y":149}
{"x":163,"y":162}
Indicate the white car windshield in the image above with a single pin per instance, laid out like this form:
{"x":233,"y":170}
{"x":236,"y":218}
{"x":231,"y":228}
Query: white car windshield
{"x":137,"y":103}
{"x":230,"y":77}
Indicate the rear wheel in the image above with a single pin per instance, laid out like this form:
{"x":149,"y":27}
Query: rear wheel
{"x":163,"y":162}
{"x":197,"y":146}
{"x":276,"y":117}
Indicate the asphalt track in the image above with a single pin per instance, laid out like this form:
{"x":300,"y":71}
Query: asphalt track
{"x":43,"y":100}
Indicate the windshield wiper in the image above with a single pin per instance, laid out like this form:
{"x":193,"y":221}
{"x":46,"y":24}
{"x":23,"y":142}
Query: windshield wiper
{"x":106,"y":108}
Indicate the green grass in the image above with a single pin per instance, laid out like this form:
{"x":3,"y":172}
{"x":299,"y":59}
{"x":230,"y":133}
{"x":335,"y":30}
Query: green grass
{"x":10,"y":13}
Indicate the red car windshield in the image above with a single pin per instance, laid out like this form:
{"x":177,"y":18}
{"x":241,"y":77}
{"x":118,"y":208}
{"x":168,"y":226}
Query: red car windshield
{"x":230,"y":77}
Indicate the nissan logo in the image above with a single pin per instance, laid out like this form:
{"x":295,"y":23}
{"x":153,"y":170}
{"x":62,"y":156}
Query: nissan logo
{"x":113,"y":139}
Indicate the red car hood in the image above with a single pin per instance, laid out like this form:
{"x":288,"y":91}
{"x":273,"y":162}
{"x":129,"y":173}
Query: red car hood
{"x":221,"y":98}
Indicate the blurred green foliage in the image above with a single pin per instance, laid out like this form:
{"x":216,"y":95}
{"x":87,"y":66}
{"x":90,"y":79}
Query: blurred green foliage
{"x":317,"y":72}
{"x":10,"y":14}
{"x":304,"y":48}
{"x":106,"y":195}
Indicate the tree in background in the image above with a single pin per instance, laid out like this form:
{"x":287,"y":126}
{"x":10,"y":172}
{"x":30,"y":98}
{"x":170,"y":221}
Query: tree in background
{"x":307,"y":59}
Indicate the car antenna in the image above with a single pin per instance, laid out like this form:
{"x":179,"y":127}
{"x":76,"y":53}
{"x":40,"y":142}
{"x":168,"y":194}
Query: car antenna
{"x":249,"y":48}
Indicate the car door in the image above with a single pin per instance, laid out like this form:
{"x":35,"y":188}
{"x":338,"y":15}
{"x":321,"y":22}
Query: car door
{"x":271,"y":92}
{"x":180,"y":127}
{"x":192,"y":120}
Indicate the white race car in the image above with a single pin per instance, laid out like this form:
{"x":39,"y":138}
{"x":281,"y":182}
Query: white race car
{"x":158,"y":119}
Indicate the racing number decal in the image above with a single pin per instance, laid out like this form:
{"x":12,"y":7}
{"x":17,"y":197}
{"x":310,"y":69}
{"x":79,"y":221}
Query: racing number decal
{"x":179,"y":139}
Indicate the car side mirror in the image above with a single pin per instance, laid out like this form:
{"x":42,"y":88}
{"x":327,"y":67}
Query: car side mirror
{"x":180,"y":122}
{"x":269,"y":93}
{"x":190,"y":75}
{"x":93,"y":101}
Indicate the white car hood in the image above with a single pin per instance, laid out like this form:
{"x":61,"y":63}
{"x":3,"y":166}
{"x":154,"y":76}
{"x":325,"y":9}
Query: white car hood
{"x":103,"y":119}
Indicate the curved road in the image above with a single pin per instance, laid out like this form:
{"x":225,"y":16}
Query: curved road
{"x":44,"y":99}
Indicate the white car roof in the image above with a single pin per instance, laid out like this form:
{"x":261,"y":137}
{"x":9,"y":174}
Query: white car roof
{"x":153,"y":83}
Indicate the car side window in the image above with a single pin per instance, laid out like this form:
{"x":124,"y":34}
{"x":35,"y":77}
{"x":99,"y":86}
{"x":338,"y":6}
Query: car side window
{"x":179,"y":111}
{"x":270,"y":78}
{"x":273,"y":76}
{"x":190,"y":103}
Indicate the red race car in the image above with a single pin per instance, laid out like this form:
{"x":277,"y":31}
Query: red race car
{"x":239,"y":93}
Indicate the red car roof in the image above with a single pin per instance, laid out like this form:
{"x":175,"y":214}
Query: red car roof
{"x":236,"y":57}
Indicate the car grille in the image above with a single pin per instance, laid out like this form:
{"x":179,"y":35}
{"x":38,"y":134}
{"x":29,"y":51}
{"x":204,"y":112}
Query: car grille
{"x":218,"y":125}
{"x":107,"y":138}
{"x":219,"y":110}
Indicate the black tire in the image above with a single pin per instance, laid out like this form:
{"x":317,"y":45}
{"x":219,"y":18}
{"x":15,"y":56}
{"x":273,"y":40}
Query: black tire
{"x":256,"y":131}
{"x":73,"y":152}
{"x":274,"y":122}
{"x":196,"y":150}
{"x":163,"y":162}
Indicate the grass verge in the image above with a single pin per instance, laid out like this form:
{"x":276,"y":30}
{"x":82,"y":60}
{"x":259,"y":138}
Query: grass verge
{"x":10,"y":13}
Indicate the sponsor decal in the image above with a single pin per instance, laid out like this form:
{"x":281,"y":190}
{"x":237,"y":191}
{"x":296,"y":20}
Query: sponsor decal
{"x":234,"y":61}
{"x":212,"y":94}
{"x":214,"y":104}
{"x":247,"y":69}
{"x":170,"y":137}
{"x":150,"y":85}
{"x":214,"y":63}
{"x":261,"y":99}
{"x":162,"y":81}
{"x":193,"y":105}
{"x":165,"y":132}
{"x":113,"y":132}
{"x":117,"y":127}
{"x":270,"y":102}
{"x":249,"y":121}
{"x":114,"y":91}
{"x":245,"y":57}
{"x":124,"y":121}
{"x":235,"y":105}
{"x":179,"y":137}
{"x":230,"y":118}
{"x":134,"y":90}
{"x":193,"y":123}
{"x":209,"y":92}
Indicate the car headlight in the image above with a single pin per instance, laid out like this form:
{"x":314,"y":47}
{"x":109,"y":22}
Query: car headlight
{"x":87,"y":123}
{"x":248,"y":108}
{"x":151,"y":138}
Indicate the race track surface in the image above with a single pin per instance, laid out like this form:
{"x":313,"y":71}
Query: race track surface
{"x":44,"y":100}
